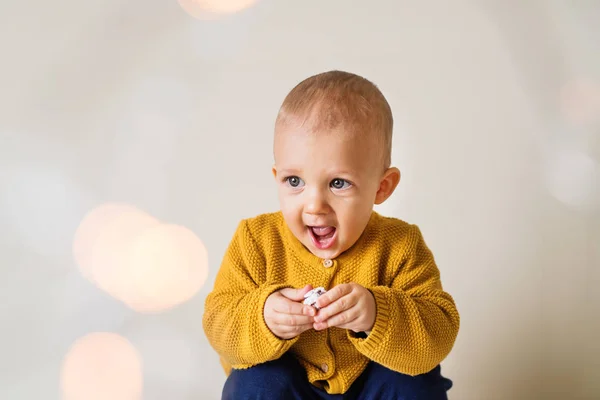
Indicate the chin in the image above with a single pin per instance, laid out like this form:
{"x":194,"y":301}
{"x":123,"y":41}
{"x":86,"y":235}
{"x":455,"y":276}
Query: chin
{"x":330,"y":253}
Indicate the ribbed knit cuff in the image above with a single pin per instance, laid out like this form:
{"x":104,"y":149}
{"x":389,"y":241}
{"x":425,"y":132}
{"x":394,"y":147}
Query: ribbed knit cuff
{"x":371,"y":343}
{"x":279,"y":346}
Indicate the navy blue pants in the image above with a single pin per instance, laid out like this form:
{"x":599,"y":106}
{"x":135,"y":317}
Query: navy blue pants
{"x":285,"y":379}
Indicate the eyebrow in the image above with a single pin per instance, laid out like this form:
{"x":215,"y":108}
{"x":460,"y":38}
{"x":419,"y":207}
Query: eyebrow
{"x":346,"y":172}
{"x":294,"y":171}
{"x":288,"y":171}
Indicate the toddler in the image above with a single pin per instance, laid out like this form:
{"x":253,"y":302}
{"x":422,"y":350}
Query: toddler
{"x":384,"y":323}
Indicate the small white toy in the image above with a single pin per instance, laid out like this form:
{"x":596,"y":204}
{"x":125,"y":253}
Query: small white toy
{"x":311,"y":297}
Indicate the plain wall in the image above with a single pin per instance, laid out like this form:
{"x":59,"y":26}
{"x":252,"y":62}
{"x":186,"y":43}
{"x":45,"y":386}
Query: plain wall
{"x":138,"y":102}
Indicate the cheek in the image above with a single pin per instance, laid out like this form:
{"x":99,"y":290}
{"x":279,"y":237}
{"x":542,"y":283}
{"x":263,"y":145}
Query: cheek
{"x":294,"y":221}
{"x":290,"y":208}
{"x":350,"y":206}
{"x":351,"y":224}
{"x":287,"y":200}
{"x":354,"y":215}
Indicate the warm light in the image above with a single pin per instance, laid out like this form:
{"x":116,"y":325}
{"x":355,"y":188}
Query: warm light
{"x":93,"y":225}
{"x":204,"y":8}
{"x":149,"y":266}
{"x":102,"y":366}
{"x":168,"y":265}
{"x":103,"y":242}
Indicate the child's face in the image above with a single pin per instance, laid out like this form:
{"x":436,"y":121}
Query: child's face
{"x":327,"y":183}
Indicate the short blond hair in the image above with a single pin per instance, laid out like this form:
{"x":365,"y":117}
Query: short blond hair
{"x":339,"y":99}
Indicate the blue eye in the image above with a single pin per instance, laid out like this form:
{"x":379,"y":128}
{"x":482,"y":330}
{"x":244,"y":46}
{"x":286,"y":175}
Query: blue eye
{"x":338,"y":183}
{"x":293,"y":181}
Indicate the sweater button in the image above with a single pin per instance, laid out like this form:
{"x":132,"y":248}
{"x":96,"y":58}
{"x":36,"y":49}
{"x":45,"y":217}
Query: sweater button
{"x":324,"y":367}
{"x":327,"y":263}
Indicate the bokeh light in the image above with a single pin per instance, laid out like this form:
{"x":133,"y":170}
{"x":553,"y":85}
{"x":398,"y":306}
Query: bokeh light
{"x":102,"y":243}
{"x":207,"y":9}
{"x":167,"y":267}
{"x":110,"y":252}
{"x":102,"y":366}
{"x":146,"y":264}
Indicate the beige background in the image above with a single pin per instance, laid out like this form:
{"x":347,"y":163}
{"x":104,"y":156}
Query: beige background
{"x":136,"y":101}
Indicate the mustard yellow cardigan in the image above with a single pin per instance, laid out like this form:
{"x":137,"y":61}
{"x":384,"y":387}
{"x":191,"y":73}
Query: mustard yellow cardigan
{"x":416,"y":323}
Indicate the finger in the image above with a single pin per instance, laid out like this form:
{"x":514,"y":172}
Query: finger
{"x":283,"y":305}
{"x":290,"y":332}
{"x":343,"y":319}
{"x":333,"y":294}
{"x":295,"y":294}
{"x":296,"y":328}
{"x":309,"y":310}
{"x":341,"y":304}
{"x":291,"y":320}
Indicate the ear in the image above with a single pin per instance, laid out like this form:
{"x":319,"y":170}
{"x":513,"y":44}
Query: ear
{"x":274,"y":171}
{"x":387,"y":185}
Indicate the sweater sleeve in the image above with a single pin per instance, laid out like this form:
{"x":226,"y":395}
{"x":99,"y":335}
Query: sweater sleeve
{"x":233,"y":319}
{"x":417,"y":322}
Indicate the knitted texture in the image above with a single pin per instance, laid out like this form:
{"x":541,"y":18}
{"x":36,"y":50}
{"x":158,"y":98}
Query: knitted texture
{"x":416,"y":322}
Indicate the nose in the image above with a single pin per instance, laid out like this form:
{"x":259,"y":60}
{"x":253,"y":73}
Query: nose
{"x":316,"y":202}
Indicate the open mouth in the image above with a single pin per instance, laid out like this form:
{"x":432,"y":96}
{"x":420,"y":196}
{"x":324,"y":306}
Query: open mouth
{"x":322,"y":237}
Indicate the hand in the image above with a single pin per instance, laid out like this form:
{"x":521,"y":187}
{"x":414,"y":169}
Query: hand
{"x":285,"y":314}
{"x":347,"y":306}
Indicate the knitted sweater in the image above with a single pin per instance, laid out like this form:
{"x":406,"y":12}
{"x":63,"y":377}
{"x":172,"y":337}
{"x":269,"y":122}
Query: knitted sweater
{"x":416,"y":321}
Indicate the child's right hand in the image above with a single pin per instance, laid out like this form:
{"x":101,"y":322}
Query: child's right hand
{"x":285,"y":314}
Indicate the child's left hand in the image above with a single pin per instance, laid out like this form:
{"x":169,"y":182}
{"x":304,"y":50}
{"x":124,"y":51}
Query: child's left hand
{"x":347,"y":306}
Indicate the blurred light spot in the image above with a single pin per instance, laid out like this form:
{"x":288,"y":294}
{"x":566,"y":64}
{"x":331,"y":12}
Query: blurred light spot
{"x":102,"y":243}
{"x":143,"y":263}
{"x":572,"y":176}
{"x":580,"y":101}
{"x":206,"y":9}
{"x":91,"y":227}
{"x":102,"y":366}
{"x":110,"y":253}
{"x":168,"y":266}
